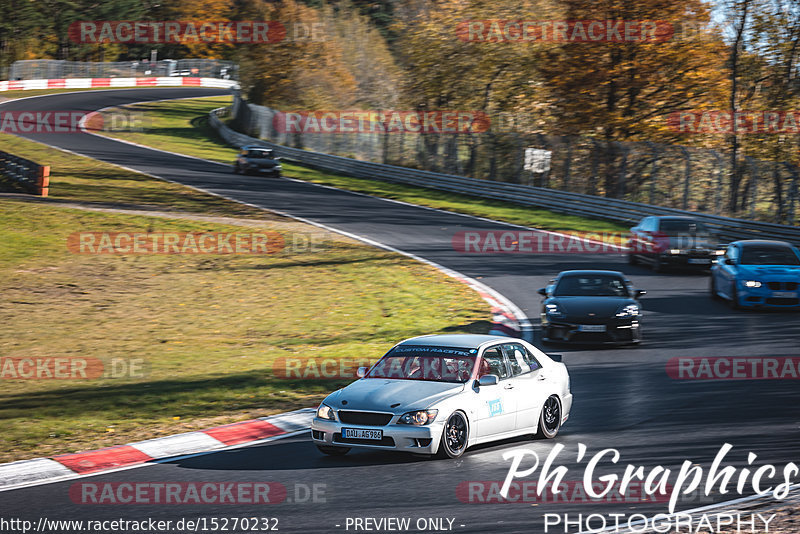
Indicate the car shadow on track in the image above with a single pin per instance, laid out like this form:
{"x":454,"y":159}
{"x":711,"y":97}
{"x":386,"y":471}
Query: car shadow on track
{"x":299,"y":453}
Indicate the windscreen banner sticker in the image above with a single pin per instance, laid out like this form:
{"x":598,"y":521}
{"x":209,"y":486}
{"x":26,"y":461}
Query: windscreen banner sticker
{"x":432,"y":350}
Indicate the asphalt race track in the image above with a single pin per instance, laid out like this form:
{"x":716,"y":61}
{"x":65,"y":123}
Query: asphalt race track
{"x":623,"y":396}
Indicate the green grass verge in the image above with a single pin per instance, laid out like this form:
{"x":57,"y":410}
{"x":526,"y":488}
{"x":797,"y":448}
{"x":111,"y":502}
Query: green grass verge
{"x":182,"y":126}
{"x":208,"y":327}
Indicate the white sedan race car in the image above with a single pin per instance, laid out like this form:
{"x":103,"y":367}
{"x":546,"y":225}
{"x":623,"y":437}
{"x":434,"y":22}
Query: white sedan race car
{"x":441,"y":394}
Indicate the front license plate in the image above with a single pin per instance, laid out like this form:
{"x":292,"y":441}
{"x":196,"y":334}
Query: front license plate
{"x":362,"y":433}
{"x":592,"y":328}
{"x":699,"y":261}
{"x":784,"y":294}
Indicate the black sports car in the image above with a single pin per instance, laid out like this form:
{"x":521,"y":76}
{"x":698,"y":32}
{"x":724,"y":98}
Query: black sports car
{"x":591,"y":307}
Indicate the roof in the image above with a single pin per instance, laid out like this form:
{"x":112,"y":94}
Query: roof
{"x":680,"y":217}
{"x":591,"y":272}
{"x":462,"y":341}
{"x":769,"y":242}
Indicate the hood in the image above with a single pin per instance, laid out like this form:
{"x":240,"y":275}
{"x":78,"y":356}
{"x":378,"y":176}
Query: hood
{"x":379,"y":394}
{"x":777,"y":272}
{"x":600,"y":306}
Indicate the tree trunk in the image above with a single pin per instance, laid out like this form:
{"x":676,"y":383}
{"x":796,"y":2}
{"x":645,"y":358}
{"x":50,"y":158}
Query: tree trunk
{"x":735,"y":47}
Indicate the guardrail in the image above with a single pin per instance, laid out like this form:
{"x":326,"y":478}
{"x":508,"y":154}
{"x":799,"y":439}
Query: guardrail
{"x":728,"y":229}
{"x":29,"y":175}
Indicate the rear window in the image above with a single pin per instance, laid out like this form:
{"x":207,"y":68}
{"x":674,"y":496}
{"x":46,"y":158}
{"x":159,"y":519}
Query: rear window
{"x":682,"y":226}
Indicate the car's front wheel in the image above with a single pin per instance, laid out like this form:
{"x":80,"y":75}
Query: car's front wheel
{"x":636,"y":337}
{"x":236,"y":168}
{"x":734,"y":302}
{"x":550,"y":418}
{"x":333,"y":451}
{"x":712,"y":287}
{"x":658,"y":264}
{"x":454,"y":436}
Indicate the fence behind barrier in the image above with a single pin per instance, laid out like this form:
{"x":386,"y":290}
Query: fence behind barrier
{"x":729,"y":229}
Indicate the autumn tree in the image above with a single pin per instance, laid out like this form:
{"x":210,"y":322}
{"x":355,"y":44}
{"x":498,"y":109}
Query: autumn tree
{"x":329,"y":58}
{"x":763,"y":37}
{"x":20,"y":30}
{"x":199,"y":11}
{"x":624,"y":91}
{"x":446,"y":70}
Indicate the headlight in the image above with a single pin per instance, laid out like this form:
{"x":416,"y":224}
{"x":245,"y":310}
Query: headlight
{"x":752,"y":283}
{"x":554,"y":310}
{"x":674,"y":251}
{"x":719,"y":252}
{"x":631,"y":310}
{"x":278,"y":167}
{"x":418,"y":418}
{"x":325,"y":412}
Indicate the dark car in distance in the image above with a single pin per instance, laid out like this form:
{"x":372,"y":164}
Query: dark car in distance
{"x":591,"y":307}
{"x":257,"y":159}
{"x":672,"y":241}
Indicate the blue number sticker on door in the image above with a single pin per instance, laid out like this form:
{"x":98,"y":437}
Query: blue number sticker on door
{"x":495,"y":407}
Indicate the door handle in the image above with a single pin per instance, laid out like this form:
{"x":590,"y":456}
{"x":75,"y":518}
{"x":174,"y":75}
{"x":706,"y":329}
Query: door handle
{"x":541,"y":377}
{"x":509,"y":386}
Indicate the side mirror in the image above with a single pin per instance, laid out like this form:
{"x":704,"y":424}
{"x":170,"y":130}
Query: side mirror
{"x":361,"y":372}
{"x":542,"y":291}
{"x":639,"y":293}
{"x":556,"y":357}
{"x":488,"y":380}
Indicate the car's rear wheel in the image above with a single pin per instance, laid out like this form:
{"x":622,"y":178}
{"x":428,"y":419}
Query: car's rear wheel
{"x":333,"y":451}
{"x":632,"y":259}
{"x":454,"y":436}
{"x":550,"y":418}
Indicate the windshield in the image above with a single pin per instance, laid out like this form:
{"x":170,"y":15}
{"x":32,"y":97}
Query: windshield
{"x":591,"y":285}
{"x":435,"y":364}
{"x":682,"y":226}
{"x":766,"y":255}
